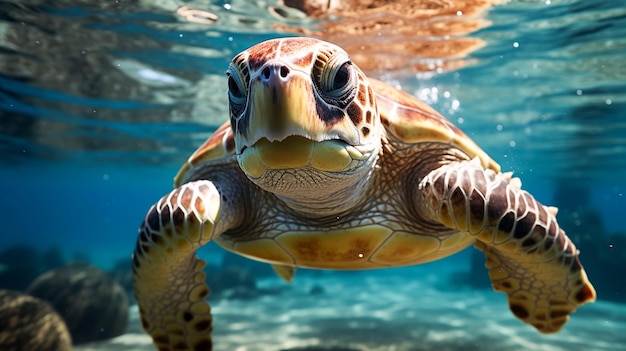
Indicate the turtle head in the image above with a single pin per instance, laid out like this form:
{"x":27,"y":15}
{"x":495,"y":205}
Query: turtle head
{"x":299,"y":106}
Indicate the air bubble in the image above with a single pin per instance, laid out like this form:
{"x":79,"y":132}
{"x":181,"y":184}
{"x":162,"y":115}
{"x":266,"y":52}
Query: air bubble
{"x":455,"y":104}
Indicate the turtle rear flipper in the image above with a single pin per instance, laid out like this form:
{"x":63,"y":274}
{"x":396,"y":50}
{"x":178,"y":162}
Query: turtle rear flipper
{"x":528,"y":255}
{"x":285,"y":272}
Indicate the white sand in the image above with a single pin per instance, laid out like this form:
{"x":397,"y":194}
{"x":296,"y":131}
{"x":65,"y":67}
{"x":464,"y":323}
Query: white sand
{"x":386,"y":310}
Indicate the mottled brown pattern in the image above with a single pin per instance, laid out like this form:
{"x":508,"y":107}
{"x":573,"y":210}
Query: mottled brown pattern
{"x":329,"y":114}
{"x":166,"y":226}
{"x":370,"y":95}
{"x":262,"y":53}
{"x":361,"y":95}
{"x":305,"y":60}
{"x":220,"y":144}
{"x":524,"y":226}
{"x":368,"y":116}
{"x":355,"y":113}
{"x":530,"y":259}
{"x":302,"y":46}
{"x":419,"y":183}
{"x":586,"y":293}
{"x":409,"y":110}
{"x":519,"y":311}
{"x":477,"y":207}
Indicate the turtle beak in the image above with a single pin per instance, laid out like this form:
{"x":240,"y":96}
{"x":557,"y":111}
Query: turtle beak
{"x":282,"y":103}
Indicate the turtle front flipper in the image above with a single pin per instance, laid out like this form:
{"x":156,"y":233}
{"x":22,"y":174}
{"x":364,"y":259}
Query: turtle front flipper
{"x":528,"y":255}
{"x":168,"y":279}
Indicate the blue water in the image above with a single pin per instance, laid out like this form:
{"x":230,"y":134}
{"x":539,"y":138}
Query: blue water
{"x":101,"y":104}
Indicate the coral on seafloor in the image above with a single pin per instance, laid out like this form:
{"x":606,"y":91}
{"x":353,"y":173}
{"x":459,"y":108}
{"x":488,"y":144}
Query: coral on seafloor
{"x":29,"y":323}
{"x":92,"y":304}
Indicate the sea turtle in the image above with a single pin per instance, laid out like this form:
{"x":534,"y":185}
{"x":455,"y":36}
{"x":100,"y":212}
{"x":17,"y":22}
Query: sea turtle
{"x":321,"y":167}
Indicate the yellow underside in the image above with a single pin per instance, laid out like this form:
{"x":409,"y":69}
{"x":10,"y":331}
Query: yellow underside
{"x":373,"y":246}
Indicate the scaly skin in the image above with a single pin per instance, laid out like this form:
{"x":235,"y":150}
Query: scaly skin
{"x":169,"y":282}
{"x":528,"y":255}
{"x":324,"y":169}
{"x":539,"y":270}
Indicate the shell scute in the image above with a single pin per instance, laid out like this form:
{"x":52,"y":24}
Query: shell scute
{"x":219,"y":145}
{"x":412,"y":121}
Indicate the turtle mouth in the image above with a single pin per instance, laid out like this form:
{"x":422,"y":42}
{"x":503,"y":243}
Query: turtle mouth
{"x":294,"y":138}
{"x":298,"y":152}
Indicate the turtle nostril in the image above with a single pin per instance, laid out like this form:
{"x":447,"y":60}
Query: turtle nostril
{"x":273,"y":72}
{"x":266,"y":73}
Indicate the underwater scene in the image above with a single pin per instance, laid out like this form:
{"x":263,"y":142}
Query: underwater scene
{"x":341,"y":212}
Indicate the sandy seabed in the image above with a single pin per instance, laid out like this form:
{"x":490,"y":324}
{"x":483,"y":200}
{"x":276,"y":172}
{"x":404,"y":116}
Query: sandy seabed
{"x":390,"y":312}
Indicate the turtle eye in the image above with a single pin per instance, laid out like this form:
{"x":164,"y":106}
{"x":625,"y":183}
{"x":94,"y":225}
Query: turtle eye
{"x":334,"y":76}
{"x":236,"y":87}
{"x":335,"y":79}
{"x":342,"y":76}
{"x":233,"y":88}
